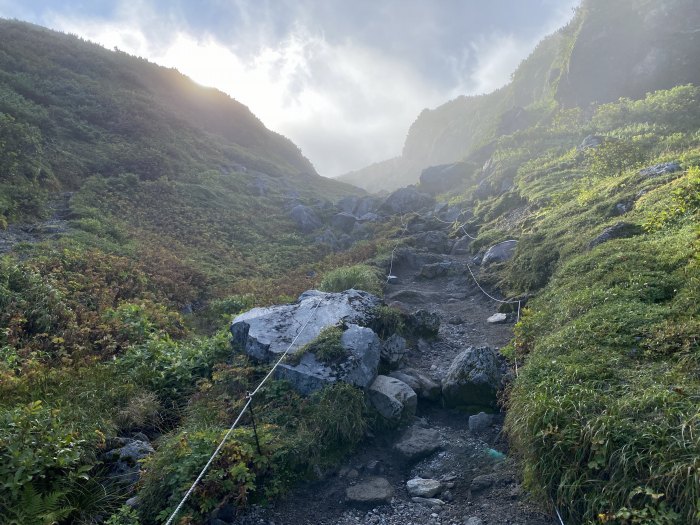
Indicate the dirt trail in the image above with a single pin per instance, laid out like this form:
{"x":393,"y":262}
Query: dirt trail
{"x":495,"y":498}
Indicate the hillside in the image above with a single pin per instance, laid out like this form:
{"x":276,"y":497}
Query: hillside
{"x":609,"y":50}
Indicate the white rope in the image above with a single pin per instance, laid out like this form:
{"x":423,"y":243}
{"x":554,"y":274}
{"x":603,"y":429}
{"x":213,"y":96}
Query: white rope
{"x":457,"y":224}
{"x":518,"y":301}
{"x":558,"y":515}
{"x":240,"y":415}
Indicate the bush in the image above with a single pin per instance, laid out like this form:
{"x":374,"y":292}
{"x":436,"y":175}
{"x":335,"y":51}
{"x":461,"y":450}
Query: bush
{"x":359,"y":277}
{"x":326,"y":347}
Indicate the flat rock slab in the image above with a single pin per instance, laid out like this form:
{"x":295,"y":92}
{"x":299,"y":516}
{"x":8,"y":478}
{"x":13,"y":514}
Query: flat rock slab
{"x":417,"y":443}
{"x":371,"y":491}
{"x":265,"y":333}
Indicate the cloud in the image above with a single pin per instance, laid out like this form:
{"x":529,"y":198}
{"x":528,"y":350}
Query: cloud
{"x":344,"y":82}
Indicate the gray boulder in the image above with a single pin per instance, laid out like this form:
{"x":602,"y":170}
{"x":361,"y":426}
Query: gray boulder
{"x":591,"y":141}
{"x":660,"y":169}
{"x":305,"y":218}
{"x":369,"y":217}
{"x":358,"y":206}
{"x":474,"y":378}
{"x":393,"y":351}
{"x":424,"y":488}
{"x":503,"y":251}
{"x":125,"y":458}
{"x":461,"y":246}
{"x":433,"y":241}
{"x":265,"y":333}
{"x":406,"y":200}
{"x":371,"y":491}
{"x":358,"y":367}
{"x":393,"y":399}
{"x":344,"y":221}
{"x":421,"y":383}
{"x":619,"y":230}
{"x":425,"y":323}
{"x":442,"y":178}
{"x":417,"y":443}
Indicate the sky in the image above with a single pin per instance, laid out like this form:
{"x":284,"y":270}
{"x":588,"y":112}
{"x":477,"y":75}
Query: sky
{"x":343,"y":79}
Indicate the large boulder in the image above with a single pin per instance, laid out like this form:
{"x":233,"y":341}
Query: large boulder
{"x":305,"y":218}
{"x":474,"y":378}
{"x":265,"y":333}
{"x":421,"y":383}
{"x":358,"y":206}
{"x":424,"y":488}
{"x":394,"y":351}
{"x":503,"y":251}
{"x":405,"y":200}
{"x":393,"y":399}
{"x":344,"y":221}
{"x":358,"y":367}
{"x":442,"y":178}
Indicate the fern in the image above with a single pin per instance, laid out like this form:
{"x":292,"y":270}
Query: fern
{"x":34,"y":508}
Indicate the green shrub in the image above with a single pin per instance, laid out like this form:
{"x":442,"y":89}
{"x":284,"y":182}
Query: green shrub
{"x":359,"y":277}
{"x":326,"y":347}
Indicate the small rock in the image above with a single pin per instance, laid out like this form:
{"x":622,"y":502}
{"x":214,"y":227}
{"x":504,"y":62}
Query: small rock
{"x":428,"y":501}
{"x":424,"y":488}
{"x":392,"y":279}
{"x":497,"y":319}
{"x":474,"y":378}
{"x":448,"y":496}
{"x":473,"y":520}
{"x":422,"y":385}
{"x":482,"y":482}
{"x":370,"y":491}
{"x":591,"y":141}
{"x":480,"y":422}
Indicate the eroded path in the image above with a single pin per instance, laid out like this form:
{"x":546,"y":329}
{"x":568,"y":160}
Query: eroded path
{"x":480,"y":483}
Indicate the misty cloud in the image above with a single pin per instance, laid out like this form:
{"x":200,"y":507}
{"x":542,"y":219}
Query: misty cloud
{"x":344,"y":81}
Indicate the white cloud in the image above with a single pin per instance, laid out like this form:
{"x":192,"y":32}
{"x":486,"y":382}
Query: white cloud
{"x":344,"y":103}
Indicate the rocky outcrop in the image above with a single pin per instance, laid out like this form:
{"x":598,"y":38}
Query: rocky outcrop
{"x":503,"y":251}
{"x":660,"y":169}
{"x":305,"y":218}
{"x":406,"y":200}
{"x":393,"y":399}
{"x":344,"y":221}
{"x":619,"y":230}
{"x":358,"y":206}
{"x":358,"y":367}
{"x":265,"y":333}
{"x":474,"y":378}
{"x":442,"y":178}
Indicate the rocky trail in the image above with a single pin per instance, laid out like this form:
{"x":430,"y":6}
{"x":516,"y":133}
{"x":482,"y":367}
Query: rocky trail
{"x":445,"y":467}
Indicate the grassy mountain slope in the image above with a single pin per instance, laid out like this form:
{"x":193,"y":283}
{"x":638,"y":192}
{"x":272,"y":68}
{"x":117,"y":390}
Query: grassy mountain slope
{"x":604,"y":411}
{"x":129,"y":198}
{"x":609,"y":50}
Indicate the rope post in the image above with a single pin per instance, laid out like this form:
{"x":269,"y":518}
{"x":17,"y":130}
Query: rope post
{"x":255,"y":428}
